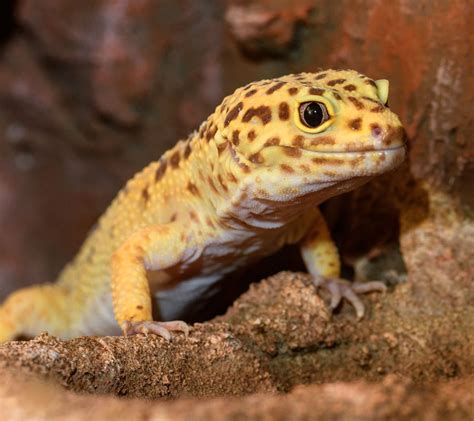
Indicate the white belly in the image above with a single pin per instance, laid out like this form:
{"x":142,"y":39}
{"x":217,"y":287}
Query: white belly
{"x":177,"y":302}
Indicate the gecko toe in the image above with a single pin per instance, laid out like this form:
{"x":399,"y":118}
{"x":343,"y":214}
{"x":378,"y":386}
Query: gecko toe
{"x":162,"y":329}
{"x":341,"y":289}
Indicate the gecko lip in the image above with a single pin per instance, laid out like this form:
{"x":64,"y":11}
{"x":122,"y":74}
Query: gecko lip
{"x":361,"y":150}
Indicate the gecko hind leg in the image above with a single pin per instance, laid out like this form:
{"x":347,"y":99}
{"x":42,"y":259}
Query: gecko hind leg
{"x":162,"y":329}
{"x":341,"y":288}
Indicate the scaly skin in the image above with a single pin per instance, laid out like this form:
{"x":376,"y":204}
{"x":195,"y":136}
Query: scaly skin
{"x":243,"y":185}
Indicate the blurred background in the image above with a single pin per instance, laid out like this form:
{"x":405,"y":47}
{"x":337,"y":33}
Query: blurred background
{"x":92,"y":91}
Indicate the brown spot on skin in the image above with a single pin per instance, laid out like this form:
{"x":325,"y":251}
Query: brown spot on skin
{"x":293,"y":91}
{"x":235,"y":137}
{"x":320,"y":76}
{"x":211,"y":131}
{"x":187,"y":151}
{"x":173,"y":217}
{"x":371,"y":83}
{"x":250,"y":93}
{"x":283,"y":111}
{"x":193,"y":189}
{"x":316,"y":91}
{"x":182,"y":237}
{"x":323,"y":140}
{"x":221,"y":181}
{"x":293,"y":152}
{"x":263,"y":112}
{"x":394,"y":135}
{"x":336,"y":82}
{"x":209,"y":222}
{"x":251,"y":135}
{"x":275,"y":87}
{"x":247,"y":87}
{"x":273,"y":141}
{"x":378,"y":109}
{"x":357,"y":147}
{"x":305,"y":168}
{"x":350,"y":88}
{"x":355,"y":124}
{"x":160,"y":172}
{"x":232,"y":178}
{"x":356,"y":162}
{"x":221,"y":147}
{"x":139,"y":307}
{"x":211,"y":183}
{"x":233,"y":113}
{"x":287,"y":168}
{"x":328,"y":161}
{"x":298,"y":141}
{"x":337,"y":96}
{"x":145,"y":195}
{"x":359,"y":105}
{"x":174,"y":160}
{"x":193,"y":216}
{"x":256,"y":158}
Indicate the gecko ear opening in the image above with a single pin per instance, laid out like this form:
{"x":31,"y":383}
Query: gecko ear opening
{"x":382,"y":90}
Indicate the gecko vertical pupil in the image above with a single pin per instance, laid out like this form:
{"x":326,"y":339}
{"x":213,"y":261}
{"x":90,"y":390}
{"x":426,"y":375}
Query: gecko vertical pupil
{"x":313,"y":114}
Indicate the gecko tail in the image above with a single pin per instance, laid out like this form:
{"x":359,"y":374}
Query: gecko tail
{"x":30,"y":311}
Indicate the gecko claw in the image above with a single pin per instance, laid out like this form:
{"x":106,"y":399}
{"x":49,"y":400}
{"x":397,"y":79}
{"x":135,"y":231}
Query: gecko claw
{"x":162,"y":329}
{"x":340,"y":288}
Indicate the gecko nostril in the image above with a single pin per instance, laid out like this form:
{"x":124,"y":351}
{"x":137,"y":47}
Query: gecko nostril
{"x":376,"y":130}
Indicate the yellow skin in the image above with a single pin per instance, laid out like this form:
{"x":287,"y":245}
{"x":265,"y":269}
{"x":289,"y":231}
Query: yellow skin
{"x":239,"y":188}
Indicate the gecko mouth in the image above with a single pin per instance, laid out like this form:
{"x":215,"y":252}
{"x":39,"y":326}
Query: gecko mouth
{"x":353,"y":151}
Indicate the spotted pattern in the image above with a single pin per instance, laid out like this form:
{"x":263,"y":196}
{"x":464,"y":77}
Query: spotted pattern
{"x":357,"y":103}
{"x":284,"y":111}
{"x":336,"y":82}
{"x":316,"y":91}
{"x":275,"y":88}
{"x":273,"y":141}
{"x":193,"y":189}
{"x":356,"y":123}
{"x":235,"y":137}
{"x":233,"y":113}
{"x":262,"y":112}
{"x":160,"y":172}
{"x":174,"y":160}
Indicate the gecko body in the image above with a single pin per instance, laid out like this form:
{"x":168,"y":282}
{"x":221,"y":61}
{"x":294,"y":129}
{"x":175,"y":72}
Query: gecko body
{"x":244,"y":184}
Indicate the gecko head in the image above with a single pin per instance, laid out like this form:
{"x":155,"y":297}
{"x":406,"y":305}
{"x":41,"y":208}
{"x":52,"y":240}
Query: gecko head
{"x":325,"y":127}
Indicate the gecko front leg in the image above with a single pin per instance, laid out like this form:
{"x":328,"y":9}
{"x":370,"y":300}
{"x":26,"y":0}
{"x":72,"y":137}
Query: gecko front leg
{"x":322,"y":261}
{"x":152,"y":248}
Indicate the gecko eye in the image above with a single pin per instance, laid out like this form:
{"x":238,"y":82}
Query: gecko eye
{"x":313,"y":114}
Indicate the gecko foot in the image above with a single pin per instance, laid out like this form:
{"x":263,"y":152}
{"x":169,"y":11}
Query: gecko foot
{"x":340,"y":288}
{"x":162,"y":329}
